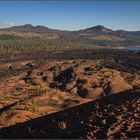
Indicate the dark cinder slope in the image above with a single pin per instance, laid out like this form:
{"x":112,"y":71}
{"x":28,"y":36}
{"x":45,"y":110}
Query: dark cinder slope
{"x":116,"y":116}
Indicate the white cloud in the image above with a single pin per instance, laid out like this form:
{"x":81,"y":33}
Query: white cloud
{"x":6,"y":25}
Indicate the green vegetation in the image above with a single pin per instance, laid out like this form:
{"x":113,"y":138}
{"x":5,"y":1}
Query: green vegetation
{"x":9,"y":44}
{"x":8,"y":37}
{"x":12,"y":43}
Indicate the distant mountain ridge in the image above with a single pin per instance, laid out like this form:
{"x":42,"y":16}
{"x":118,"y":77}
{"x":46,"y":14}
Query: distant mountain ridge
{"x":94,"y":28}
{"x":99,"y":28}
{"x":28,"y":28}
{"x":98,"y":32}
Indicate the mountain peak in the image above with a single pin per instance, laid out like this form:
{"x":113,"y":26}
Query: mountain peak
{"x":41,"y":27}
{"x":27,"y":26}
{"x":99,"y":28}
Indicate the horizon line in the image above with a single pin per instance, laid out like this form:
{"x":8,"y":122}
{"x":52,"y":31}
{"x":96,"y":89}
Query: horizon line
{"x":53,"y":28}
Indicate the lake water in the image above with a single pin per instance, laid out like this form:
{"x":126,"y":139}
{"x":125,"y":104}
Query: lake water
{"x":133,"y":48}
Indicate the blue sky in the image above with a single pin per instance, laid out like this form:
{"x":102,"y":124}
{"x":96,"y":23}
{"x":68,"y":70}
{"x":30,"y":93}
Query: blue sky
{"x":72,"y":15}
